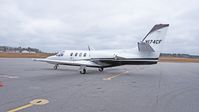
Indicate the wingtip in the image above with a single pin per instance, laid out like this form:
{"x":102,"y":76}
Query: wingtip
{"x":33,"y":59}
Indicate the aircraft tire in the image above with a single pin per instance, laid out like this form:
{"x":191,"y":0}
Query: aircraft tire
{"x":55,"y":67}
{"x":83,"y":71}
{"x":101,"y":69}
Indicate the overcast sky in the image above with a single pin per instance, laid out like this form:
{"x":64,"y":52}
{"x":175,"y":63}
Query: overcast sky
{"x":54,"y":25}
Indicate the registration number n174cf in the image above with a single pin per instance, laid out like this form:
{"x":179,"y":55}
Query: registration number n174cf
{"x":153,"y":41}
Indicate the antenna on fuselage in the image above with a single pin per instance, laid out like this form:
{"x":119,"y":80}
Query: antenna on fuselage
{"x":90,"y":48}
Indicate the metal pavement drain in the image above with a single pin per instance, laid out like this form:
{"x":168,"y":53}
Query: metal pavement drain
{"x":39,"y":102}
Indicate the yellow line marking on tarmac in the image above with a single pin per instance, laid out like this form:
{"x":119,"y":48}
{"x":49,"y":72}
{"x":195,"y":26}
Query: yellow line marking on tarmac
{"x":32,"y":103}
{"x":115,"y":75}
{"x":20,"y":108}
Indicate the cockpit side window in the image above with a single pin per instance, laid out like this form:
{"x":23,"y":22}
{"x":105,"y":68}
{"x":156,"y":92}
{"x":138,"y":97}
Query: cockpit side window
{"x":71,"y":54}
{"x":60,"y":53}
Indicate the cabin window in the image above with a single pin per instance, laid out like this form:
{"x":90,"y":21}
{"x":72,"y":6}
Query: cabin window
{"x":76,"y":54}
{"x":80,"y":54}
{"x":71,"y":54}
{"x":84,"y":54}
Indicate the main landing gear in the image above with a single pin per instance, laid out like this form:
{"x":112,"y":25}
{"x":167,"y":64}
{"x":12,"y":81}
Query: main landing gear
{"x":55,"y":67}
{"x":101,"y":69}
{"x":83,"y":70}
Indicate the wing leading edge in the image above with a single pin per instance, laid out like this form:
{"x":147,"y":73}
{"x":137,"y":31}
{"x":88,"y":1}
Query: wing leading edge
{"x":72,"y":63}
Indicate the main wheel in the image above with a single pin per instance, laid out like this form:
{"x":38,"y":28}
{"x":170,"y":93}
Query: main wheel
{"x":55,"y":67}
{"x":83,"y":71}
{"x":101,"y":69}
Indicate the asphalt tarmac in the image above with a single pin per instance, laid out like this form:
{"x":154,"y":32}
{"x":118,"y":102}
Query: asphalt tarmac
{"x":28,"y":86}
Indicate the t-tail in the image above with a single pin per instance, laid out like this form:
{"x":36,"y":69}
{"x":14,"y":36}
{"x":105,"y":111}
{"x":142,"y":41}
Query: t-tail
{"x":153,"y":40}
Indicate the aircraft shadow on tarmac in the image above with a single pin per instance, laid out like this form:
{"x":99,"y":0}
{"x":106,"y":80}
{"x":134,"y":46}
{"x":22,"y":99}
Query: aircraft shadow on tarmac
{"x":76,"y":69}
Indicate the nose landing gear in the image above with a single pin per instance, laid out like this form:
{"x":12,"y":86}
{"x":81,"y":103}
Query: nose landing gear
{"x":82,"y":70}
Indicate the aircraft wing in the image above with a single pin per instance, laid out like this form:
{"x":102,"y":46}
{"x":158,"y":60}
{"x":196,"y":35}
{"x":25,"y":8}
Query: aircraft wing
{"x":48,"y":61}
{"x":72,"y":63}
{"x":108,"y":62}
{"x":116,"y":61}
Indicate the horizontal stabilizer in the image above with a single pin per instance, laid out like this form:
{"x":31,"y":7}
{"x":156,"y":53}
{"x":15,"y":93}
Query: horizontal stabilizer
{"x":156,"y":28}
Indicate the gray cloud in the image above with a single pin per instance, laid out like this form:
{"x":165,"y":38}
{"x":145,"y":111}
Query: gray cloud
{"x":53,"y":25}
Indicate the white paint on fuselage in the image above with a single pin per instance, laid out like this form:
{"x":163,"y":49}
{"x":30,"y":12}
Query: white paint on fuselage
{"x":124,"y":53}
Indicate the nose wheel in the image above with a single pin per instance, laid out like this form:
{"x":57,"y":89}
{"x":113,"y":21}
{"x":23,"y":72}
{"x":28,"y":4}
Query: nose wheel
{"x":82,"y":70}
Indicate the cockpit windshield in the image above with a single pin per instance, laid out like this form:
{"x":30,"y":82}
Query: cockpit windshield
{"x":60,"y":53}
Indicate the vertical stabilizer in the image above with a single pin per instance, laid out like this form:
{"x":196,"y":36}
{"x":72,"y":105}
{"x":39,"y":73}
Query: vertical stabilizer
{"x":152,"y":41}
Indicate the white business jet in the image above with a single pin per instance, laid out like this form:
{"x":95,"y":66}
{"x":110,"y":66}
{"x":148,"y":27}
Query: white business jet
{"x":146,"y":53}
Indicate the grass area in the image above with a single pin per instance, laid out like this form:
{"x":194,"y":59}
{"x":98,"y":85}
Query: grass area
{"x":24,"y":55}
{"x":178,"y":59}
{"x":44,"y":55}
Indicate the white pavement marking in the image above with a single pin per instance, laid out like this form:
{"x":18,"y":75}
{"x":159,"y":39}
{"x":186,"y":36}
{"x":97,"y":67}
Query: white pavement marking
{"x":9,"y":76}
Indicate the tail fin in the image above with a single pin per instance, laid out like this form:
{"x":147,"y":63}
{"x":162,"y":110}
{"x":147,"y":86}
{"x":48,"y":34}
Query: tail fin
{"x":151,"y":42}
